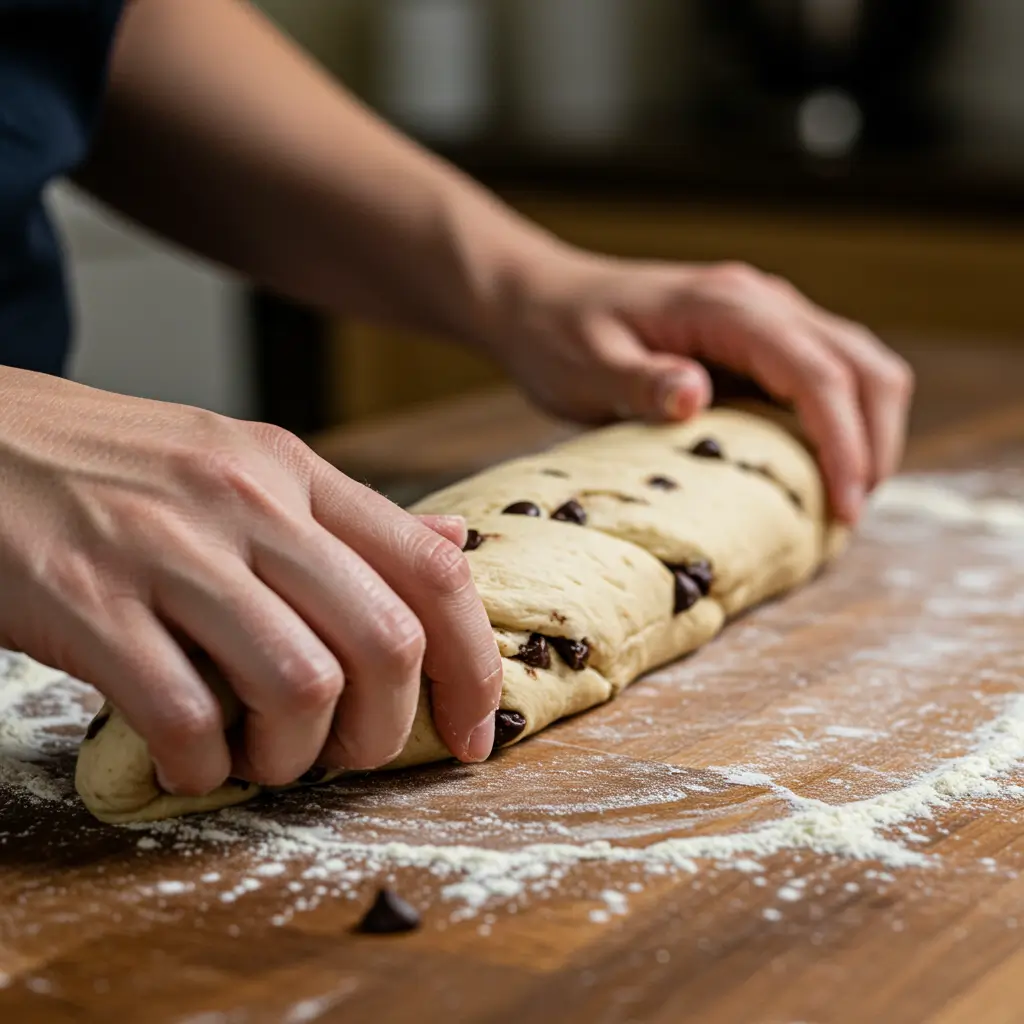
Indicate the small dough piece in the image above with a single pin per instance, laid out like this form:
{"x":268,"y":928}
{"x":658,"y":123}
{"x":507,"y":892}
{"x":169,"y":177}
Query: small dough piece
{"x":580,"y":556}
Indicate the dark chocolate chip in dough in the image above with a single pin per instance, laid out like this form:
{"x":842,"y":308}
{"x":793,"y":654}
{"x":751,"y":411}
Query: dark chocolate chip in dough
{"x":795,"y":498}
{"x":759,"y":469}
{"x":560,"y":473}
{"x":687,"y":592}
{"x":314,"y":774}
{"x":507,"y":726}
{"x":571,"y":512}
{"x":521,"y":508}
{"x":575,"y":653}
{"x":700,"y":572}
{"x":96,"y":725}
{"x":535,"y":652}
{"x":663,"y":483}
{"x":237,"y":783}
{"x":707,"y":448}
{"x":474,"y":538}
{"x":389,"y":915}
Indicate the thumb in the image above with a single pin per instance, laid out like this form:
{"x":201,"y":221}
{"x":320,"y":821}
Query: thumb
{"x":645,"y":384}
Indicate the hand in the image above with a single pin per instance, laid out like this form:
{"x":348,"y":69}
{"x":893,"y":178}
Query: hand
{"x":592,"y":338}
{"x":131,"y":530}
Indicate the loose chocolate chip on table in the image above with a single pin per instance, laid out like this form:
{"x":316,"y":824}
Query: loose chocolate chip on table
{"x":571,"y":512}
{"x":521,"y":508}
{"x":507,"y":726}
{"x":535,"y":652}
{"x":700,"y":572}
{"x":95,"y":726}
{"x":707,"y":448}
{"x":474,"y":538}
{"x":314,"y":774}
{"x":575,"y":653}
{"x":389,"y":915}
{"x":556,"y":472}
{"x":687,"y":591}
{"x":663,"y":483}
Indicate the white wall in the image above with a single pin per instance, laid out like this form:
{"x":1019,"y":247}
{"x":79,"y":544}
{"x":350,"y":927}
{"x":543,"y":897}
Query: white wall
{"x":151,"y":321}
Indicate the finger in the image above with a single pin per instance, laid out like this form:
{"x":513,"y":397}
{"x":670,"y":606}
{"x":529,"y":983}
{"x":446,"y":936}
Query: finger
{"x":284,"y":674}
{"x":638,"y":382}
{"x":131,"y":658}
{"x":453,"y":528}
{"x":796,"y":366}
{"x":431,"y":575}
{"x":885,"y":386}
{"x":375,"y":636}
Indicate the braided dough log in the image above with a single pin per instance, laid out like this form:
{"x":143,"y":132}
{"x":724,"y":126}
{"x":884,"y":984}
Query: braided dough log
{"x":756,"y":514}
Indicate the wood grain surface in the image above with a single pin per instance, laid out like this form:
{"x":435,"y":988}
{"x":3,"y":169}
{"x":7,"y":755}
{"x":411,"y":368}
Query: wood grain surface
{"x":863,"y":682}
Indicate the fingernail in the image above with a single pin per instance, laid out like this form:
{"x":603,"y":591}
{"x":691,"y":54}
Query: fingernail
{"x":675,"y":393}
{"x":481,"y":741}
{"x":454,"y":527}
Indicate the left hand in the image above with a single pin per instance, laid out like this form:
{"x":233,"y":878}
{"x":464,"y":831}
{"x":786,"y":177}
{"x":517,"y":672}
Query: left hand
{"x":594,"y":338}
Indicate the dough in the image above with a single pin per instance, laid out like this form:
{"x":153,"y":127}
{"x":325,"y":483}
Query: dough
{"x":596,"y":561}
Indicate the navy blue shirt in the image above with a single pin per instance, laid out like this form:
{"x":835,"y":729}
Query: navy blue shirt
{"x":53,"y":65}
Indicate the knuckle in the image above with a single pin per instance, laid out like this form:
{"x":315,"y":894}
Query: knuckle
{"x":231,"y":475}
{"x":441,"y":565}
{"x":285,"y":446}
{"x":179,"y":724}
{"x":736,"y":273}
{"x":401,"y":642}
{"x":898,"y":376}
{"x":75,"y":578}
{"x":312,"y":683}
{"x":831,"y":376}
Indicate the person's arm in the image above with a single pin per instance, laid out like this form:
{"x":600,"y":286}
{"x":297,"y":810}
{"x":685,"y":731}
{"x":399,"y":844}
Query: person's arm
{"x":221,"y":135}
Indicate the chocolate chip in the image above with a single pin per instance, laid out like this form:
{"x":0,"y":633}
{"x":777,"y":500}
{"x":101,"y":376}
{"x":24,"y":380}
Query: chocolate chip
{"x":687,"y":591}
{"x":575,"y":653}
{"x":707,"y":448}
{"x":237,"y":783}
{"x":795,"y":498}
{"x":760,"y":470}
{"x":474,"y":538}
{"x":571,"y":512}
{"x":556,"y":472}
{"x":535,"y":652}
{"x":663,"y":483}
{"x":521,"y":508}
{"x":507,"y":726}
{"x":314,"y":774}
{"x":701,"y":574}
{"x":389,"y":915}
{"x":96,"y":725}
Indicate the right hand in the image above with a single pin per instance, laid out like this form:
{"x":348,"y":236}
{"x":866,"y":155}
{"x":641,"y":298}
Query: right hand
{"x":133,"y":529}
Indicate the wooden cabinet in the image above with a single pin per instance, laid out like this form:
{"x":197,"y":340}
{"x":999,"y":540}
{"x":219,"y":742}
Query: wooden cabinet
{"x":943,"y":280}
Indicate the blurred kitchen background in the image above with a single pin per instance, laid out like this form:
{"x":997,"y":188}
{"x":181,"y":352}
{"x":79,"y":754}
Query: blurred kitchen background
{"x":872,"y":151}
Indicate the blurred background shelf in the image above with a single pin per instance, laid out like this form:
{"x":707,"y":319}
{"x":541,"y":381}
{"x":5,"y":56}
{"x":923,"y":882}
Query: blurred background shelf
{"x":871,"y":152}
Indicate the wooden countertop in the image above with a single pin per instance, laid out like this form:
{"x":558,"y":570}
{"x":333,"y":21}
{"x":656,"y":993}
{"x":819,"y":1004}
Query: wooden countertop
{"x":858,"y":693}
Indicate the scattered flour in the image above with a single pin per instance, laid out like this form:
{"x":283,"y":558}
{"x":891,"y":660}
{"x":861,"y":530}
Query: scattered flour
{"x":925,"y":497}
{"x":501,"y":865}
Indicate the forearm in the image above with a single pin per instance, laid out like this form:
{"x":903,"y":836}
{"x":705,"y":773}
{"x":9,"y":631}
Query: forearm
{"x":220,"y":135}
